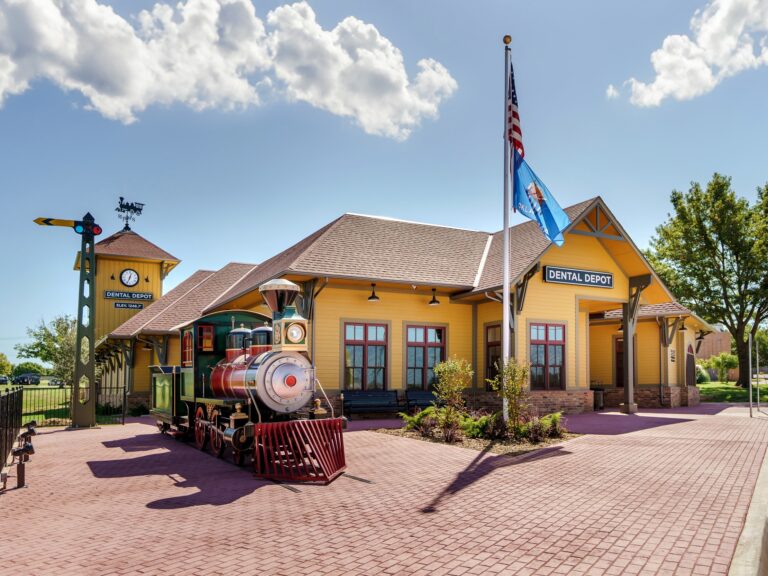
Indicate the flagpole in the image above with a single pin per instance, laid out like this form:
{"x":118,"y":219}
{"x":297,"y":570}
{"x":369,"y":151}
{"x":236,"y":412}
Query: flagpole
{"x":505,"y":319}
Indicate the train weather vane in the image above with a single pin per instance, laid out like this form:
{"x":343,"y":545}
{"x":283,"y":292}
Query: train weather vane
{"x":128,"y":211}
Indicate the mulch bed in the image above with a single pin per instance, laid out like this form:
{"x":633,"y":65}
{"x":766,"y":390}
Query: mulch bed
{"x":507,"y":447}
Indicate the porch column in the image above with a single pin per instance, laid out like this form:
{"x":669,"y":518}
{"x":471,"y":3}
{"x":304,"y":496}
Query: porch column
{"x":629,"y":312}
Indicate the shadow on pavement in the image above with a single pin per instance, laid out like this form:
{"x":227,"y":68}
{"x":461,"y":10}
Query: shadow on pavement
{"x":483,"y":465}
{"x":218,"y":482}
{"x":614,"y":423}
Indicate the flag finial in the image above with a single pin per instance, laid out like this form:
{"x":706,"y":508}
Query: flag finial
{"x":507,"y":39}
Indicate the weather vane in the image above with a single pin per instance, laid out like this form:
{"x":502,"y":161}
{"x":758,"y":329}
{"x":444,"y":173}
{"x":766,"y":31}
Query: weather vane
{"x":128,"y":211}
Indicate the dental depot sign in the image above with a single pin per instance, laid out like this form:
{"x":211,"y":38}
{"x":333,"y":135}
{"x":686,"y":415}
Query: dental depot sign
{"x":558,"y":275}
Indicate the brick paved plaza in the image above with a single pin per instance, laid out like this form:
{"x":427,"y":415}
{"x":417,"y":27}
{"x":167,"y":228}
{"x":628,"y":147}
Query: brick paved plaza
{"x":658,"y":493}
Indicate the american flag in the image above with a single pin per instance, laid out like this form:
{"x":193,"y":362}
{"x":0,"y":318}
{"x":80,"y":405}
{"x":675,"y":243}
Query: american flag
{"x":514,"y":132}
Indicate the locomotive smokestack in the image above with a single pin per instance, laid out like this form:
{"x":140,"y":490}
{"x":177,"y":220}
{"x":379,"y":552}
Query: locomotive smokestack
{"x":279,"y":294}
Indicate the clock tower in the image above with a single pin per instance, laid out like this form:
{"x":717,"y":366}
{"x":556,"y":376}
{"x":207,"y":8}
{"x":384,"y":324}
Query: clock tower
{"x":129,"y":276}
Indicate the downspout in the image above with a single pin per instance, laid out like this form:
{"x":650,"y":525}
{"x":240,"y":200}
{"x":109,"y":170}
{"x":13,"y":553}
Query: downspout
{"x":662,"y":337}
{"x":312,"y":318}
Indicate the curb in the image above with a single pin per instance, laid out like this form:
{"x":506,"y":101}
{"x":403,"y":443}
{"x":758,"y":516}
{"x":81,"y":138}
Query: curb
{"x":751,"y":557}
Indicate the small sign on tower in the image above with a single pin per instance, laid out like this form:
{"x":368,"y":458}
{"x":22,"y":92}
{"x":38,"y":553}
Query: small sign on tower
{"x":128,"y":211}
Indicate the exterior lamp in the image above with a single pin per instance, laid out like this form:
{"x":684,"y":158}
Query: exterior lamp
{"x":682,"y":328}
{"x":434,"y":301}
{"x":373,"y":297}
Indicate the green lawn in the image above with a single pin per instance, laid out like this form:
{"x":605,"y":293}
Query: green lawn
{"x":43,"y":403}
{"x":729,"y":392}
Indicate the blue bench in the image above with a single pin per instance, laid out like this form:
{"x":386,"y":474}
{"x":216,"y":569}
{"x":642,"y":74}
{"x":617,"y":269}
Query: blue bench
{"x":365,"y":401}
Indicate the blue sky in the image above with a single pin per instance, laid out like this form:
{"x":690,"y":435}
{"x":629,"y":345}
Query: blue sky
{"x":240,"y":180}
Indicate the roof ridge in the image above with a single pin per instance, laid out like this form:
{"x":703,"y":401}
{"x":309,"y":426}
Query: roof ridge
{"x":181,"y":296}
{"x":392,"y":219}
{"x":483,"y":259}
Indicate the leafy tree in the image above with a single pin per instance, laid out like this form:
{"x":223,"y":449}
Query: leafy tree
{"x":721,"y":363}
{"x":26,"y":367}
{"x":5,"y":365}
{"x":53,"y":343}
{"x":762,"y":346}
{"x":511,"y":383}
{"x":712,"y":252}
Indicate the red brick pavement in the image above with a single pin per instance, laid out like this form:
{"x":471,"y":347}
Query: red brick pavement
{"x":669,"y":497}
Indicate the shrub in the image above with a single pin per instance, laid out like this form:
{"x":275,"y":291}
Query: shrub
{"x":453,"y":376}
{"x":702,"y":376}
{"x":423,"y":422}
{"x":553,"y":424}
{"x":721,"y":364}
{"x":477,"y":426}
{"x":510,"y":383}
{"x":139,"y":410}
{"x":534,"y":430}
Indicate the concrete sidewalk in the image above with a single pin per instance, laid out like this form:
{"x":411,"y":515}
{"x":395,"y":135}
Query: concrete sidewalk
{"x":661,"y":492}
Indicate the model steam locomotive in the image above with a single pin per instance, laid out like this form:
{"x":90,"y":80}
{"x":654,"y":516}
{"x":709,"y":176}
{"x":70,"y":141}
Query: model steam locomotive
{"x":247,"y":390}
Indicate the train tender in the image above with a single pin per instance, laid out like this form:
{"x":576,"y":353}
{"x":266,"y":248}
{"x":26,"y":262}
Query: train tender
{"x":248,"y":390}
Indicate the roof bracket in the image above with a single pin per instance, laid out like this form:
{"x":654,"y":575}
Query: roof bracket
{"x":522,"y":287}
{"x":669,"y":331}
{"x":636,"y":285}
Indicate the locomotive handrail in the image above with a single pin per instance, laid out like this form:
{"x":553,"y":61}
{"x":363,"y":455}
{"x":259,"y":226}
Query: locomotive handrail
{"x":326,"y":396}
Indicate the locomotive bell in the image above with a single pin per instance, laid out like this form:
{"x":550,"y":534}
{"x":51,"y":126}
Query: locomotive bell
{"x":279,"y":294}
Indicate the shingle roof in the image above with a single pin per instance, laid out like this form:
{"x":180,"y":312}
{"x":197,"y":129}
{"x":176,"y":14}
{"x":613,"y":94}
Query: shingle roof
{"x":654,"y":311}
{"x":369,"y":247}
{"x":527,"y":243}
{"x":128,"y":243}
{"x":185,"y":302}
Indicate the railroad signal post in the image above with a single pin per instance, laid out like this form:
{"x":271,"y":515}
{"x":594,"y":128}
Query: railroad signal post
{"x":83,"y":407}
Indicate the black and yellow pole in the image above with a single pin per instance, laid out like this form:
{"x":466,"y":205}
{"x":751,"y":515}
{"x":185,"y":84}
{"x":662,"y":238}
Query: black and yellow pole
{"x":83,"y":401}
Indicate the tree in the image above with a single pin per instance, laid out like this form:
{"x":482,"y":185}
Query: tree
{"x":5,"y":365}
{"x":26,"y":367}
{"x":53,"y":343}
{"x":721,"y":363}
{"x":712,"y":252}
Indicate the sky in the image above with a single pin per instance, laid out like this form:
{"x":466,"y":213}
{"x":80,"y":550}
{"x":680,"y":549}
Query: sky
{"x":245,"y":125}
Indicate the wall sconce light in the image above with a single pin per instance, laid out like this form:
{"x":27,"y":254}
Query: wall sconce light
{"x":682,"y":327}
{"x":434,"y":301}
{"x":112,"y":277}
{"x":146,"y":278}
{"x":373,"y":297}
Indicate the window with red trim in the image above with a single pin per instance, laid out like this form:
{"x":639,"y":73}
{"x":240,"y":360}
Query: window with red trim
{"x":187,"y":348}
{"x":365,"y":356}
{"x":425,"y":347}
{"x":547,"y":356}
{"x":205,"y":338}
{"x":492,"y":352}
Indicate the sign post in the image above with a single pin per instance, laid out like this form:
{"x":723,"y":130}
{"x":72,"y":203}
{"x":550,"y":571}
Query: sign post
{"x":750,"y":374}
{"x":83,"y":401}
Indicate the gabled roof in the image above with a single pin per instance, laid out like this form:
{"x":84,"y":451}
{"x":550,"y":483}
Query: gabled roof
{"x":184,"y":303}
{"x":129,"y":243}
{"x":374,"y":248}
{"x":527,"y":245}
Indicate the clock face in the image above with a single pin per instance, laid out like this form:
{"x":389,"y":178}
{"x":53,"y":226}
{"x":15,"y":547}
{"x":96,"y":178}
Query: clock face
{"x":129,"y":277}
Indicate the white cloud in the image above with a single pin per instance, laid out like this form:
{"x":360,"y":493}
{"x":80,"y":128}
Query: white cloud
{"x":727,"y":37}
{"x":215,"y":54}
{"x":611,"y":92}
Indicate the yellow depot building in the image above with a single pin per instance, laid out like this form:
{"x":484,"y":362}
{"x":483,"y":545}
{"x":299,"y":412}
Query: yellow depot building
{"x":388,"y":299}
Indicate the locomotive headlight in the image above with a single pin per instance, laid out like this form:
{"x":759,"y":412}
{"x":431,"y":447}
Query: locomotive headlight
{"x":295,"y":333}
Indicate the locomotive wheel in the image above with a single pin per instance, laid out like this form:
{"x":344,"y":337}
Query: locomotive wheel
{"x":217,"y":443}
{"x":201,"y":438}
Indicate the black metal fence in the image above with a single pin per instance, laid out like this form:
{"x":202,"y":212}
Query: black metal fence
{"x":111,"y":404}
{"x":11,"y":402}
{"x":47,"y":405}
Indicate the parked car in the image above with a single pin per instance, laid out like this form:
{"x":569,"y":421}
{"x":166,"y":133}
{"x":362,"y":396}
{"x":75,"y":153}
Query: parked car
{"x":4,"y":379}
{"x":56,"y":382}
{"x":27,"y":378}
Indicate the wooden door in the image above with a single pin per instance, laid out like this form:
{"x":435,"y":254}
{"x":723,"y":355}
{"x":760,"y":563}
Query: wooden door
{"x":619,"y":363}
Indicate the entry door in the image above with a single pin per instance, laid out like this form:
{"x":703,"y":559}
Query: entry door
{"x":619,"y":363}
